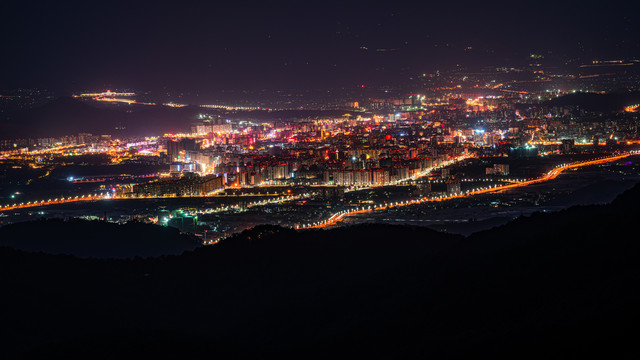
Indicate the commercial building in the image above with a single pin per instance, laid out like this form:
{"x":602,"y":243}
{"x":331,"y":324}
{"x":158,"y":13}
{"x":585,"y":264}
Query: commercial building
{"x":187,"y":185}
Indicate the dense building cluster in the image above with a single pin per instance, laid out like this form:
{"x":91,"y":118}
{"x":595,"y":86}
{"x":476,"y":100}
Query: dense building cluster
{"x":187,"y":185}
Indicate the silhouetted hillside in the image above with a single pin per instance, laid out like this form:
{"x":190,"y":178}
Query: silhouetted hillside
{"x":560,"y":285}
{"x":96,"y":239}
{"x":68,"y":116}
{"x":609,"y":102}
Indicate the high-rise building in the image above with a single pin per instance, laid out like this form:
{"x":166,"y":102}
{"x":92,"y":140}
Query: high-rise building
{"x":453,"y":186}
{"x":187,"y":185}
{"x":567,"y":145}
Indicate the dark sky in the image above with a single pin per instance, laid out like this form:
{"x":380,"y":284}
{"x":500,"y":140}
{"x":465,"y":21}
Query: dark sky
{"x":182,"y":45}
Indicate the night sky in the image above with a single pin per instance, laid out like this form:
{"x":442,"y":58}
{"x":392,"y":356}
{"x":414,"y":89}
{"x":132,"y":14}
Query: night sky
{"x":67,"y":46}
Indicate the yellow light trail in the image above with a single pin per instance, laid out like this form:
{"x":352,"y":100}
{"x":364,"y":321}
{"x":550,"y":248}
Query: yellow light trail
{"x":56,"y":201}
{"x":632,"y":108}
{"x":97,"y":197}
{"x":337,"y":217}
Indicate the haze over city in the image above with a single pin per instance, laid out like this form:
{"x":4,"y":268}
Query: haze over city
{"x":248,"y":46}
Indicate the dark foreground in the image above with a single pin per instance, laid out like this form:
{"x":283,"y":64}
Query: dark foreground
{"x":562,"y":285}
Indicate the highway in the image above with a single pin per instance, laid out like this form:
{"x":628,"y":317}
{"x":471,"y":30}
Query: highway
{"x":337,"y":217}
{"x":96,"y":197}
{"x":274,"y":198}
{"x":56,"y":201}
{"x":552,"y":174}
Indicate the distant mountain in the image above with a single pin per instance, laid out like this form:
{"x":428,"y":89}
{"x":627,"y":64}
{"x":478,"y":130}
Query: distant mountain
{"x":553,"y":285}
{"x":610,"y":102}
{"x":95,"y":239}
{"x":68,"y":116}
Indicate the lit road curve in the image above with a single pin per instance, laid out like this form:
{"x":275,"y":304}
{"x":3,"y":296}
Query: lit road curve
{"x":56,"y":201}
{"x":275,"y":198}
{"x":97,"y":197}
{"x":339,"y":216}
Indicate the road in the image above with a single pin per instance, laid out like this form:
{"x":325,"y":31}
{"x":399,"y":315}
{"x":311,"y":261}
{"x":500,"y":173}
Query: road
{"x":96,"y":197}
{"x":339,"y":216}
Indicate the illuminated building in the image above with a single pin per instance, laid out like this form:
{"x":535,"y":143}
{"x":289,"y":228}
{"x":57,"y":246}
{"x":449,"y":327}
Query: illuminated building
{"x":176,"y":149}
{"x":498,"y":169}
{"x":453,"y":186}
{"x":211,"y":128}
{"x":424,"y":188}
{"x":187,"y":185}
{"x":361,"y":177}
{"x":567,"y":145}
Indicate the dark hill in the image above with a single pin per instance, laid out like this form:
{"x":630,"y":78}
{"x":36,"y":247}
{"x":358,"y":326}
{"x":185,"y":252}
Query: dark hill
{"x":95,"y":239}
{"x":69,"y":116}
{"x":62,"y":116}
{"x":560,"y":285}
{"x":610,"y":102}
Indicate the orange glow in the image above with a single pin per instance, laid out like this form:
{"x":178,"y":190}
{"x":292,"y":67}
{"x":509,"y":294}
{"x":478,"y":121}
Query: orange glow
{"x":335,"y":218}
{"x":632,"y":108}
